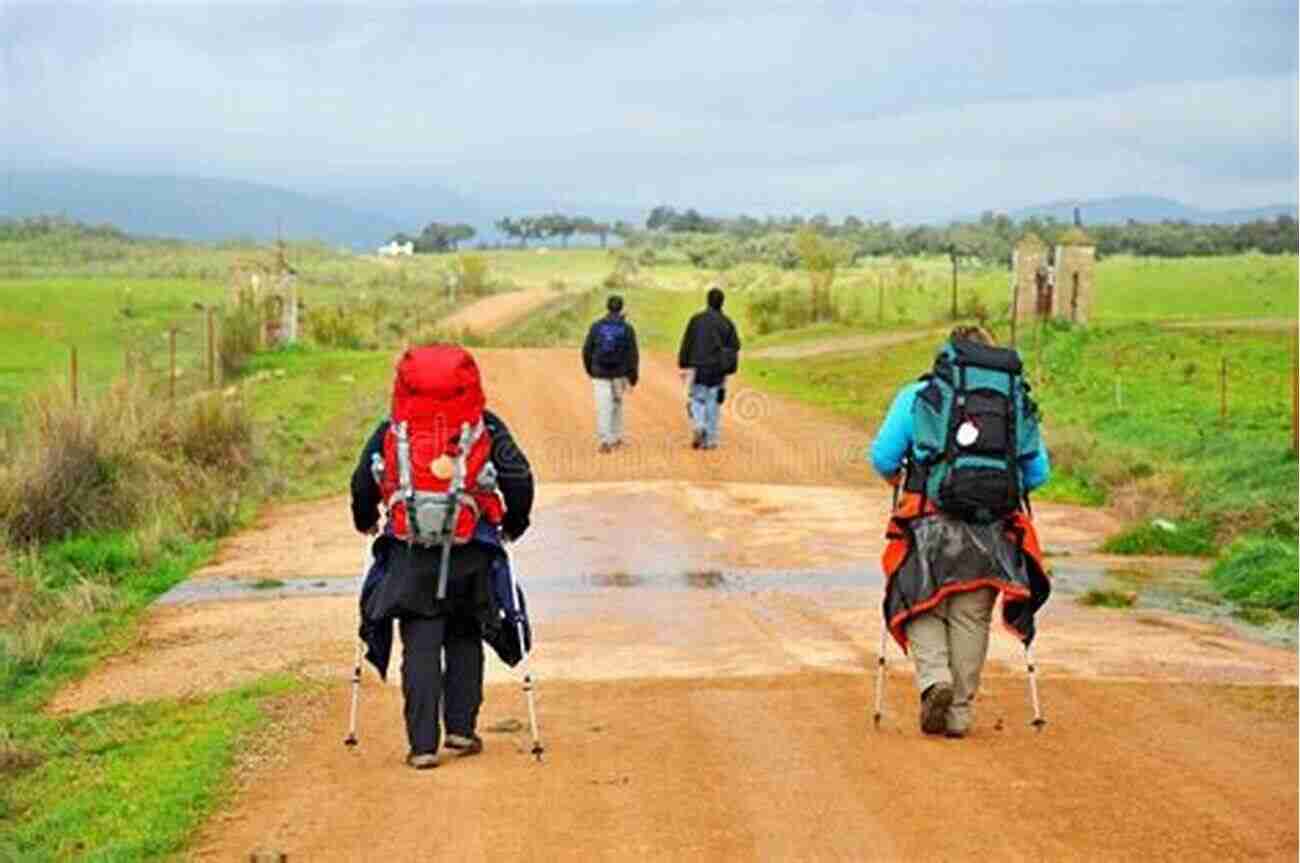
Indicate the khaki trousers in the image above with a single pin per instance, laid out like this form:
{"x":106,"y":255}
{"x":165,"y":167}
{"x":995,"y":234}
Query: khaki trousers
{"x":609,"y":408}
{"x":948,"y":644}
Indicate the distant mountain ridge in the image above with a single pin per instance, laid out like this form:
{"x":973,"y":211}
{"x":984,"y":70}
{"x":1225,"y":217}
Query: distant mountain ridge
{"x":191,"y":208}
{"x":363,"y":216}
{"x":1147,"y":208}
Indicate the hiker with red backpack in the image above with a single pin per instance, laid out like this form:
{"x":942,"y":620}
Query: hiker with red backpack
{"x":963,"y":449}
{"x":454,"y":486}
{"x":610,"y":357}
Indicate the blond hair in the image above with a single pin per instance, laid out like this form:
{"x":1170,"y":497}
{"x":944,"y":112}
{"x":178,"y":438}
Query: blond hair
{"x":972,"y":334}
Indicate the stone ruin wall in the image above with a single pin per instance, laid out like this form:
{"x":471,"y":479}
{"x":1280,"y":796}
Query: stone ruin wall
{"x":1073,"y":303}
{"x":1028,"y":256}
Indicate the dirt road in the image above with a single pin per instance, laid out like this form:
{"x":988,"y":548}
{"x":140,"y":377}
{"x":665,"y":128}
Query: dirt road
{"x":492,"y":313}
{"x":844,"y":344}
{"x":705,"y":626}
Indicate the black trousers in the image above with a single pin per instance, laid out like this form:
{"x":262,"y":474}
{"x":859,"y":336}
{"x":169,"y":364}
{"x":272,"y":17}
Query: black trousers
{"x":425,"y":641}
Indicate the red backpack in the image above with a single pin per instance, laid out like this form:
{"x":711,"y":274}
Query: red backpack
{"x":438,"y":479}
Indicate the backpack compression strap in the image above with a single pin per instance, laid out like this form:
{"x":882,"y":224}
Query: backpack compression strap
{"x":405,"y":491}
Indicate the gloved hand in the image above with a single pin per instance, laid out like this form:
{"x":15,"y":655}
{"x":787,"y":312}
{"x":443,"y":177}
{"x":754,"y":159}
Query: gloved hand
{"x":513,"y":528}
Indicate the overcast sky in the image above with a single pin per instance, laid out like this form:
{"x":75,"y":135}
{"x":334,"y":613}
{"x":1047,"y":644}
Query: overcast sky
{"x":882,"y":109}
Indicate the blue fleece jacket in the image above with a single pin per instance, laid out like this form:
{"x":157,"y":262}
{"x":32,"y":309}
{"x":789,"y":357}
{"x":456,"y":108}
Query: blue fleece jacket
{"x":894,"y":441}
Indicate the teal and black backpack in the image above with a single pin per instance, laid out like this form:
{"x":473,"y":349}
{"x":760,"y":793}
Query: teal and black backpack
{"x":972,"y":424}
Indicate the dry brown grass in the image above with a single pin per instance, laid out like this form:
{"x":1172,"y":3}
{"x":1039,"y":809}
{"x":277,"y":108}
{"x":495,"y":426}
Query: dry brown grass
{"x":115,"y":462}
{"x":1135,"y":488}
{"x":1160,"y":495}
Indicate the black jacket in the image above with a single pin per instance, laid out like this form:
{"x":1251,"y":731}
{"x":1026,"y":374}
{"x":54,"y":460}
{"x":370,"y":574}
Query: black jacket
{"x":710,"y":346}
{"x":626,"y":365}
{"x":410,"y":587}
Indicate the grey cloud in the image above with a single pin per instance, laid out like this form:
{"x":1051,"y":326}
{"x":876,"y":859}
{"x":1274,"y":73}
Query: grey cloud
{"x":729,"y":107}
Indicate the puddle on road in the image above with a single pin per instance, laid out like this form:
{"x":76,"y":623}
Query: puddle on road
{"x":733,"y":580}
{"x":215,"y":590}
{"x":1180,"y":588}
{"x":1177,"y":589}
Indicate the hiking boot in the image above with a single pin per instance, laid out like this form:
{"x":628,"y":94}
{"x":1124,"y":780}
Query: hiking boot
{"x":606,"y":448}
{"x":954,"y":733}
{"x":423,"y":761}
{"x":697,"y":442}
{"x":934,"y":708}
{"x":462,"y":747}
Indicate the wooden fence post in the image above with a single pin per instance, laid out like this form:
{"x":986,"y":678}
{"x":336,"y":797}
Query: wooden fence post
{"x":1015,"y":303}
{"x":212,"y":347}
{"x":1295,"y":391}
{"x":72,"y":374}
{"x":1223,"y":390}
{"x":954,"y":284}
{"x":1038,"y":354}
{"x":171,"y":364}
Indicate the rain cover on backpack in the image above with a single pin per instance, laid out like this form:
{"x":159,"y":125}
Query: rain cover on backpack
{"x":972,"y":423}
{"x":438,"y":479}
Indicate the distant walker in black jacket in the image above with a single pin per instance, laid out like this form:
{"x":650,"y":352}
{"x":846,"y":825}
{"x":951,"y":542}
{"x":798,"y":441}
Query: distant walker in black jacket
{"x":710,"y":351}
{"x":610,"y":357}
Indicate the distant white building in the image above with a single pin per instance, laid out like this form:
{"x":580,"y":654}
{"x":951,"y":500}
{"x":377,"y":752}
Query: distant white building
{"x":394,"y":249}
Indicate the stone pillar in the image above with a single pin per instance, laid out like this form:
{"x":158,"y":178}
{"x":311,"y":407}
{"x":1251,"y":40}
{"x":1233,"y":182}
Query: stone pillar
{"x":1075,"y":264}
{"x":1027,"y":259}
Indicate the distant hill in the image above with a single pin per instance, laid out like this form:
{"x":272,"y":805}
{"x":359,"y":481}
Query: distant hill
{"x":191,"y":208}
{"x":357,"y":215}
{"x":1144,"y":208}
{"x":362,"y":216}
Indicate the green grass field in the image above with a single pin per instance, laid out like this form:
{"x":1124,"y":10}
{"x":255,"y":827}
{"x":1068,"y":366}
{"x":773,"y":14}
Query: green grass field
{"x":41,"y":320}
{"x":1234,"y":286}
{"x":1127,"y":289}
{"x":314,"y":409}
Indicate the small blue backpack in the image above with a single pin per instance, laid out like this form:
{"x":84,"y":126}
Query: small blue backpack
{"x":611,"y":343}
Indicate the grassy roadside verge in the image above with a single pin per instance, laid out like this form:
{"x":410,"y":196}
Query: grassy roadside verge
{"x":153,"y":488}
{"x":125,"y":783}
{"x":313,"y":410}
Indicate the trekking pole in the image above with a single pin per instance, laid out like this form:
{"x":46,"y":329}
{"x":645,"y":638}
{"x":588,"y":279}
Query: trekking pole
{"x":525,"y":663}
{"x":1038,"y":721}
{"x":880,"y":676}
{"x":351,"y":739}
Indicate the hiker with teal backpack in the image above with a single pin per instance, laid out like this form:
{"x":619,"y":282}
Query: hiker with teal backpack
{"x":963,"y":449}
{"x":610,"y":357}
